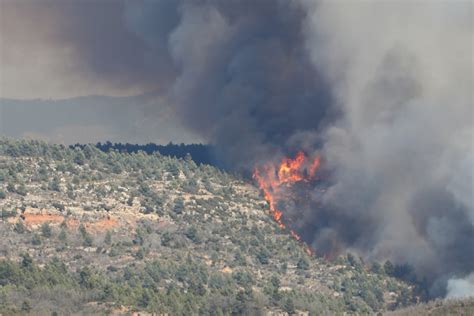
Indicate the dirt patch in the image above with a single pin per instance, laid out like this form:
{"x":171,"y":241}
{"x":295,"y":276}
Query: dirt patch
{"x":39,"y":219}
{"x":226,"y":270}
{"x":72,"y":223}
{"x":103,"y":225}
{"x":33,"y":220}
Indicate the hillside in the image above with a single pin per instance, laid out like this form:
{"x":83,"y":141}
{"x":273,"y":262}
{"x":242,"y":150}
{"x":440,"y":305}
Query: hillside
{"x":85,"y":231}
{"x":450,"y":307}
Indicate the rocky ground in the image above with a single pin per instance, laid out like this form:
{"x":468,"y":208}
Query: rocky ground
{"x":160,"y":234}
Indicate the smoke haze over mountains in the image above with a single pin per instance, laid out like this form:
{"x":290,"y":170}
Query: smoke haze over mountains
{"x":93,"y":119}
{"x":381,"y":90}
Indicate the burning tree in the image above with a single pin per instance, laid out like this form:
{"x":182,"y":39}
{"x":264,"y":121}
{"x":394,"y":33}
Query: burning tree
{"x":277,"y":181}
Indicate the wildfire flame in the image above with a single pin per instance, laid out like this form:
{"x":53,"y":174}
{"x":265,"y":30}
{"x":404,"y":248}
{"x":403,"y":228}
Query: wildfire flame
{"x":273,"y":178}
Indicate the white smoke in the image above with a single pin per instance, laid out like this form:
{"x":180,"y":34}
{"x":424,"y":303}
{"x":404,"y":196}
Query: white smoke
{"x":402,"y":73}
{"x":461,"y":288}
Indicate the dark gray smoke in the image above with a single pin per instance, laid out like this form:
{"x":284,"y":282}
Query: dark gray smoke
{"x":245,"y":79}
{"x":68,"y":48}
{"x":382,"y":90}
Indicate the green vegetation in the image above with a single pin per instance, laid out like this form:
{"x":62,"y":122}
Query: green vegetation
{"x":93,"y":232}
{"x":438,"y":308}
{"x":46,"y":230}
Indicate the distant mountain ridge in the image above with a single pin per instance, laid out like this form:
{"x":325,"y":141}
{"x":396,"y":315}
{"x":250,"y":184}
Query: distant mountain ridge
{"x":90,"y":119}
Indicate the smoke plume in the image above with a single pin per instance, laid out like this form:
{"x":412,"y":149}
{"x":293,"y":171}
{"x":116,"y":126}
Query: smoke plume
{"x":381,"y":90}
{"x":461,"y":288}
{"x":402,"y":153}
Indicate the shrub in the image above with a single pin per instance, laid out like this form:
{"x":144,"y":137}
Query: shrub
{"x":178,"y":205}
{"x":46,"y":230}
{"x":36,"y":240}
{"x":389,"y":268}
{"x":6,"y":214}
{"x":108,"y":238}
{"x":19,"y":227}
{"x":262,"y":256}
{"x":63,"y":235}
{"x":54,"y":185}
{"x":21,"y":190}
{"x":303,"y":264}
{"x":87,"y":238}
{"x":193,"y":234}
{"x":166,"y":239}
{"x":11,"y":187}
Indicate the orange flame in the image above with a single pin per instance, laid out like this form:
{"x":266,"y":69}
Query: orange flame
{"x":271,"y":177}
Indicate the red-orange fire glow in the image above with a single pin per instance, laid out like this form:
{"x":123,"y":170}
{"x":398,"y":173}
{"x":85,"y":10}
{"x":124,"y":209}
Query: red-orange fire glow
{"x":272,"y":178}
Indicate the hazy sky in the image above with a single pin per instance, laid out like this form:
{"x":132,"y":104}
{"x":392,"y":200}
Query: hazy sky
{"x":64,"y":48}
{"x":93,"y":119}
{"x":57,"y":50}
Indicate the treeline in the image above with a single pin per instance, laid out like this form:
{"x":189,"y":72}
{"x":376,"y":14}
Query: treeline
{"x":185,"y":288}
{"x":200,"y":153}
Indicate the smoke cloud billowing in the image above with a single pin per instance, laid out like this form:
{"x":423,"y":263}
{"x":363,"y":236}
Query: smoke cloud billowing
{"x":461,"y":288}
{"x":245,"y":79}
{"x":382,"y":90}
{"x":402,"y":154}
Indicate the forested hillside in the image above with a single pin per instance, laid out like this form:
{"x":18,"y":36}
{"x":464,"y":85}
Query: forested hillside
{"x":89,"y":231}
{"x":199,"y":152}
